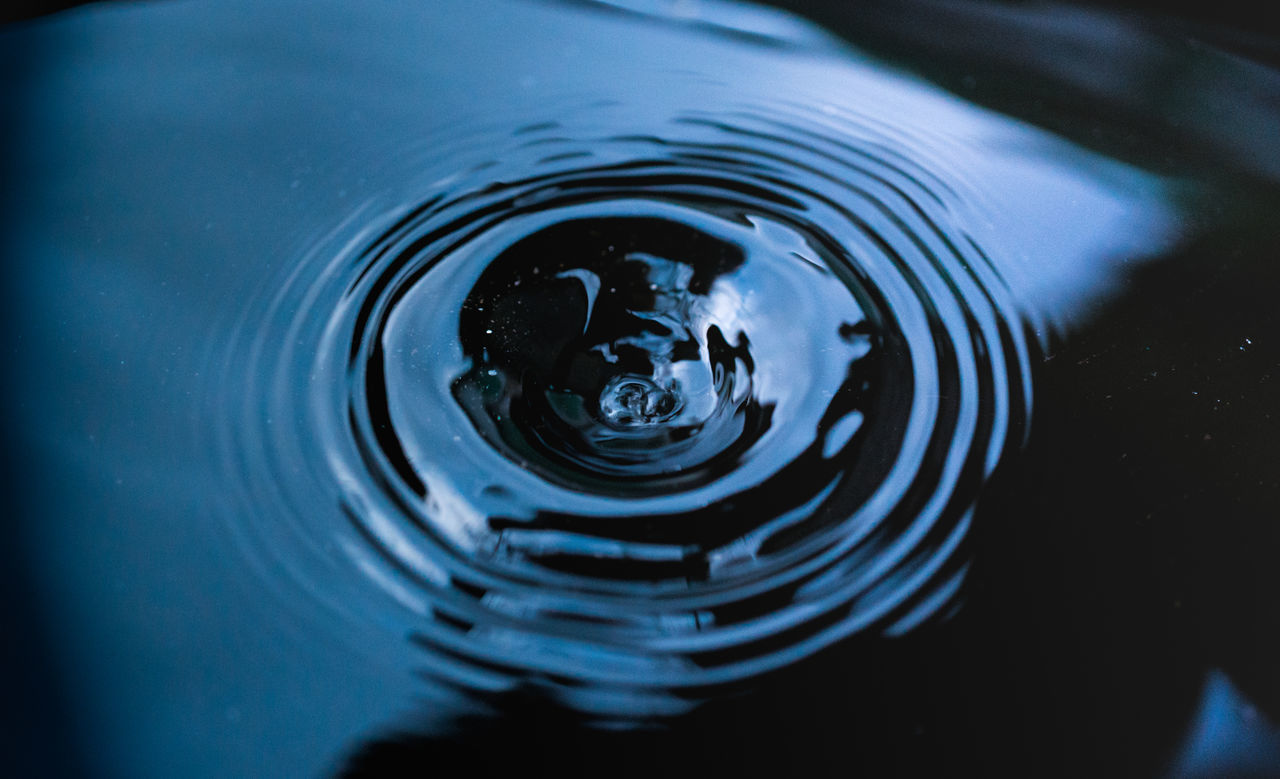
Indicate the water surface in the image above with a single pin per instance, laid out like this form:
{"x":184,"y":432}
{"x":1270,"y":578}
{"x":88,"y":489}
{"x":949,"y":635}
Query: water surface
{"x":566,"y":382}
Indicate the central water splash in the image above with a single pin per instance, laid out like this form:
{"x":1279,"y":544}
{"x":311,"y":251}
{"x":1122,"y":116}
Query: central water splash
{"x":636,"y":401}
{"x":593,"y":355}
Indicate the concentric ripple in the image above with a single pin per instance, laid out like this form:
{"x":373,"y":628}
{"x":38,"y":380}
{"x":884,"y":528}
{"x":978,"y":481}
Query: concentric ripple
{"x":631,"y":417}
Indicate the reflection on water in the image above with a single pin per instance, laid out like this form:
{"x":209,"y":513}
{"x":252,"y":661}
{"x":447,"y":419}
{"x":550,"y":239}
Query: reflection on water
{"x":655,"y":378}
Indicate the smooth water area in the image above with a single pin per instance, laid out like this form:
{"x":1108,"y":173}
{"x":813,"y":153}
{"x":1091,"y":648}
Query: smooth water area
{"x":650,"y":386}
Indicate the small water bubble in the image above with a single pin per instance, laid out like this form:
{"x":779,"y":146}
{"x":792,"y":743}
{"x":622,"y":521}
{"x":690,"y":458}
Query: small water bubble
{"x":636,"y":400}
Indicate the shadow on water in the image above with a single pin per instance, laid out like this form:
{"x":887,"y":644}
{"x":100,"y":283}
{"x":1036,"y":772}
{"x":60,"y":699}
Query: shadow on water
{"x":1167,"y":89}
{"x":41,"y":735}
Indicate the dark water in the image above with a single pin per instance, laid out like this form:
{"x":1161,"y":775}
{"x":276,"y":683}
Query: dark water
{"x":639,"y":387}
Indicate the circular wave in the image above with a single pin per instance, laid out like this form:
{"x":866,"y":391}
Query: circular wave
{"x":631,"y":417}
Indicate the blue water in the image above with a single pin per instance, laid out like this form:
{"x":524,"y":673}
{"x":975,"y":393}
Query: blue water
{"x":675,"y":386}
